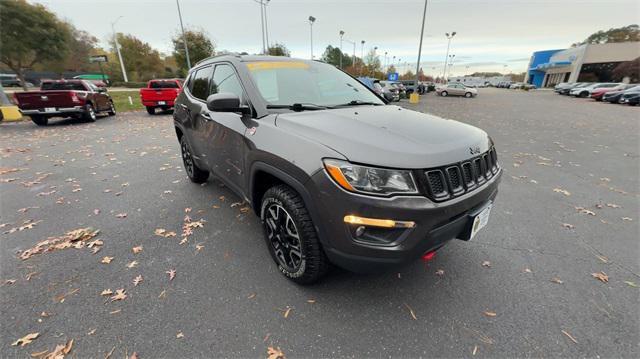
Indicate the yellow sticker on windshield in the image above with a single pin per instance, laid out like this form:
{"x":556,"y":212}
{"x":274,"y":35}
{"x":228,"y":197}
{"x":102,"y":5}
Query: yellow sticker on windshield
{"x":269,"y":65}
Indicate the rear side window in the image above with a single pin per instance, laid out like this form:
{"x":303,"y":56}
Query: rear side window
{"x":199,"y":83}
{"x":226,"y":80}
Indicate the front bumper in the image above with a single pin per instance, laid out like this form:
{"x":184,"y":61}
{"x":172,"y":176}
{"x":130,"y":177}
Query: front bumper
{"x":435,"y":224}
{"x":57,"y":111}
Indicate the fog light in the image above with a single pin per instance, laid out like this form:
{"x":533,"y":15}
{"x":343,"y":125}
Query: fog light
{"x":374,"y":222}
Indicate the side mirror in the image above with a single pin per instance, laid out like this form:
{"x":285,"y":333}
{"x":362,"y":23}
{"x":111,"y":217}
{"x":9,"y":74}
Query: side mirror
{"x":226,"y":102}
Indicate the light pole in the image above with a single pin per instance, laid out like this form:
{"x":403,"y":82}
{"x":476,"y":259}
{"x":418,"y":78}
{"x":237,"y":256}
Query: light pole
{"x":385,"y":62}
{"x":115,"y":40}
{"x":446,"y":57}
{"x":263,"y":20}
{"x":424,"y":17}
{"x":311,"y":21}
{"x":361,"y":55}
{"x":184,"y":37}
{"x":266,"y":23}
{"x":353,"y":57}
{"x":341,"y":35}
{"x":373,"y":70}
{"x":451,"y":58}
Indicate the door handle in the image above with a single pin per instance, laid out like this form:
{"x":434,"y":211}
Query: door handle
{"x":183,"y":106}
{"x":206,"y":116}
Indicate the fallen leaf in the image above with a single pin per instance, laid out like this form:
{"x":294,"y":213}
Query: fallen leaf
{"x":486,"y":264}
{"x":275,"y":353}
{"x":120,"y":295}
{"x":570,"y":336}
{"x":612,"y":205}
{"x":132,"y":264}
{"x":311,"y":301}
{"x":602,"y":276}
{"x":9,"y":281}
{"x":475,"y":350}
{"x":179,"y":335}
{"x":556,"y":280}
{"x":560,"y":190}
{"x":251,"y":296}
{"x":440,"y":272}
{"x":106,"y":292}
{"x":413,"y":314}
{"x":137,"y":249}
{"x":199,"y":247}
{"x":527,"y":270}
{"x":39,"y":354}
{"x":567,"y":225}
{"x":631,"y":284}
{"x":27,"y":339}
{"x":106,"y":260}
{"x":92,"y":332}
{"x":134,"y":356}
{"x":286,"y":312}
{"x":137,"y":280}
{"x":627,"y":219}
{"x":162,"y":294}
{"x":121,"y":215}
{"x":490,"y":314}
{"x":171,"y":273}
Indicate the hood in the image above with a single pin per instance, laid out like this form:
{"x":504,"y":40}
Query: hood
{"x":388,"y":136}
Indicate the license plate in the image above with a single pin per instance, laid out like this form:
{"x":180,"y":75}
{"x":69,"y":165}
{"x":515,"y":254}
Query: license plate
{"x":49,"y":109}
{"x":480,"y":220}
{"x":162,"y":103}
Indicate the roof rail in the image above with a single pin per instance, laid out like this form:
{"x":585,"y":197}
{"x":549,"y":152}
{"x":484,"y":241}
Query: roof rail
{"x":235,"y":54}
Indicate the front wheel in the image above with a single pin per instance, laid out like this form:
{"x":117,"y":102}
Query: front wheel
{"x":40,"y":120}
{"x":291,"y":236}
{"x":468,"y":95}
{"x":194,"y":172}
{"x":151,"y":110}
{"x":444,"y":94}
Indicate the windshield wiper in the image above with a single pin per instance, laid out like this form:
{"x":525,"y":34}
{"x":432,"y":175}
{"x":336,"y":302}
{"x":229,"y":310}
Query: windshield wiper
{"x":300,"y":107}
{"x":358,"y":103}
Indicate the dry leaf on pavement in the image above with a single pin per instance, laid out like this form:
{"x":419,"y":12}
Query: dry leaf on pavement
{"x":120,"y":295}
{"x":137,"y":280}
{"x":137,"y":249}
{"x":490,"y":314}
{"x":556,"y":280}
{"x":570,"y":336}
{"x":121,"y":215}
{"x":106,"y":260}
{"x":132,"y":264}
{"x":179,"y":335}
{"x":486,"y":264}
{"x":568,"y":226}
{"x":631,"y":284}
{"x":602,"y":276}
{"x":413,"y":314}
{"x":563,"y":191}
{"x":275,"y":353}
{"x":171,"y":273}
{"x":440,"y":272}
{"x":27,"y":339}
{"x":106,"y":292}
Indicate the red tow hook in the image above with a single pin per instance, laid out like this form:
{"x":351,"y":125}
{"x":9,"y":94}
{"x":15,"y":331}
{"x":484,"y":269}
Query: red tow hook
{"x":428,"y":256}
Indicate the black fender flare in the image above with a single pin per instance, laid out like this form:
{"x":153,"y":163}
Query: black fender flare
{"x":293,"y":183}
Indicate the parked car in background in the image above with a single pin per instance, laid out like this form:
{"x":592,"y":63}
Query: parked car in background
{"x":64,"y":98}
{"x":401,"y":88}
{"x":585,"y":91}
{"x":516,"y":85}
{"x":11,"y":80}
{"x":567,"y":89}
{"x":390,"y":91}
{"x":563,"y":85}
{"x":456,"y":89}
{"x":598,"y":93}
{"x":615,"y":96}
{"x":160,"y":93}
{"x":631,"y":97}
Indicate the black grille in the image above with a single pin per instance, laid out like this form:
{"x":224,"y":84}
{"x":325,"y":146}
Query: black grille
{"x":459,"y":178}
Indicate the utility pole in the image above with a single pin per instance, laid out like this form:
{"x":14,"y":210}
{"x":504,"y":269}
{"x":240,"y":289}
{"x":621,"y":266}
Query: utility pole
{"x":361,"y":56}
{"x":446,"y":57}
{"x":424,"y":17}
{"x":341,"y":35}
{"x":115,"y":40}
{"x":311,"y":21}
{"x":184,"y":37}
{"x":266,"y":23}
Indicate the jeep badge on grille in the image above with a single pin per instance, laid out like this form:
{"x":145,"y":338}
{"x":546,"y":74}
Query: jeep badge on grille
{"x":474,"y":150}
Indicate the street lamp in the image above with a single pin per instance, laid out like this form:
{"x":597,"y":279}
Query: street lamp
{"x":451,"y":58}
{"x":115,"y":40}
{"x":385,"y":62}
{"x":341,"y":35}
{"x":184,"y":37}
{"x":373,"y":70}
{"x":424,"y":17}
{"x":311,"y":21}
{"x":353,"y":57}
{"x":361,"y":55}
{"x":449,"y":37}
{"x":263,"y":24}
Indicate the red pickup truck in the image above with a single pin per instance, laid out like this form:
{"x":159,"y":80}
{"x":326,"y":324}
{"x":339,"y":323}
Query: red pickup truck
{"x":160,"y":93}
{"x":64,"y":98}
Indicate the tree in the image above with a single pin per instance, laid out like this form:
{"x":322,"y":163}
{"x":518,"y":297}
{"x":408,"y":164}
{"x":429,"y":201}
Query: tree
{"x":409,"y":75}
{"x":30,"y":35}
{"x":199,"y":44}
{"x":373,"y":62}
{"x":485,"y":74}
{"x":620,"y":34}
{"x":332,"y":56}
{"x":628,"y":70}
{"x":81,"y":45}
{"x":278,"y":49}
{"x":141,"y":61}
{"x":391,"y":69}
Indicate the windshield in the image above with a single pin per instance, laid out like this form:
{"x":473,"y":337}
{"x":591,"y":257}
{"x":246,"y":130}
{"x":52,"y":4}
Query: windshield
{"x":289,"y":82}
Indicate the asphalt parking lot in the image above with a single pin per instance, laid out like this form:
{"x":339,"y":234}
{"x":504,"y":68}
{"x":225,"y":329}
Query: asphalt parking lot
{"x":524,"y":287}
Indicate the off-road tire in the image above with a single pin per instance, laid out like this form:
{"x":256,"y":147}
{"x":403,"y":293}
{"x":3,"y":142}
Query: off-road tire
{"x":40,"y":120}
{"x":314,"y":263}
{"x":195,"y":173}
{"x":89,"y":113}
{"x":151,"y":110}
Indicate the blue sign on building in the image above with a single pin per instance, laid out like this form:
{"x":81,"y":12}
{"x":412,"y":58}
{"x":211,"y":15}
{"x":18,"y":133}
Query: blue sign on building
{"x":393,"y":76}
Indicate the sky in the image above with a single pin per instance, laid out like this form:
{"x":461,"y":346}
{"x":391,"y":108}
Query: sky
{"x":492,"y":35}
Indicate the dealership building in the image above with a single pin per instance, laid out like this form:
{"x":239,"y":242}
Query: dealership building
{"x":585,"y":63}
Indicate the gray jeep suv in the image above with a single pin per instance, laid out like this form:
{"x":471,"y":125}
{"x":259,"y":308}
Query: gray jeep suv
{"x":335,"y":174}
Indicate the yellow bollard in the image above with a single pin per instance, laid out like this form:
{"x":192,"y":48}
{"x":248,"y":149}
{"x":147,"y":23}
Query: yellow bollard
{"x":414,"y":98}
{"x":10,"y":113}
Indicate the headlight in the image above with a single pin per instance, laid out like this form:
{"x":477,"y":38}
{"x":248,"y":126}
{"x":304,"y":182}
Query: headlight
{"x":370,"y":180}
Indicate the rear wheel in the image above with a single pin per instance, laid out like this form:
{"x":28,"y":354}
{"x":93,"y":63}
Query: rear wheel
{"x":291,"y":236}
{"x":112,"y":109}
{"x":195,"y":174}
{"x":444,"y":94}
{"x":89,"y":113}
{"x":40,"y":120}
{"x":151,"y":110}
